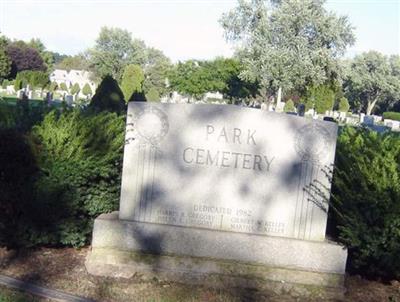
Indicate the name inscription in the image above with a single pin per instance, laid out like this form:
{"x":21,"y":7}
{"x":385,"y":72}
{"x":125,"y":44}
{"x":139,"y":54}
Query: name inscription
{"x":240,"y":220}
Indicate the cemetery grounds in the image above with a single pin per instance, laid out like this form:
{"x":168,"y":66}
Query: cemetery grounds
{"x":63,"y":269}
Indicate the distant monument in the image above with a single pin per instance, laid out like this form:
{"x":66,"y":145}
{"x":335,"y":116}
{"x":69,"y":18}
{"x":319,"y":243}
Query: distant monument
{"x":205,"y":185}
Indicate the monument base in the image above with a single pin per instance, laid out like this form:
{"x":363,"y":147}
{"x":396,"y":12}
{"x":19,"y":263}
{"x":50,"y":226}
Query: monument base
{"x":123,"y":248}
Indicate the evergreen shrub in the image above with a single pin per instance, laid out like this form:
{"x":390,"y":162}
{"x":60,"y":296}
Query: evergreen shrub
{"x":77,"y":160}
{"x":289,"y":106}
{"x":108,"y":97}
{"x":365,"y":203}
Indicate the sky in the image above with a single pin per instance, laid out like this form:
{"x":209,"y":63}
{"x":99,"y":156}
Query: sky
{"x":181,"y":29}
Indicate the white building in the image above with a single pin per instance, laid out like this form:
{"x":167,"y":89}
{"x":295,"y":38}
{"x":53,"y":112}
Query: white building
{"x":82,"y":77}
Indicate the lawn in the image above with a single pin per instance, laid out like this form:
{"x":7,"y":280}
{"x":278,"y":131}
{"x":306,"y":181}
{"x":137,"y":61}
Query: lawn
{"x":12,"y":101}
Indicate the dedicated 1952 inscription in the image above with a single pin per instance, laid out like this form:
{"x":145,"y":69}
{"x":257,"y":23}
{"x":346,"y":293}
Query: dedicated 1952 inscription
{"x":227,"y":168}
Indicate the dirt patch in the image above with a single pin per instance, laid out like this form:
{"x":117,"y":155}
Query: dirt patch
{"x":63,"y":269}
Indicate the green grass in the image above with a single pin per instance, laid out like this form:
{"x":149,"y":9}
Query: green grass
{"x":12,"y":101}
{"x":9,"y":295}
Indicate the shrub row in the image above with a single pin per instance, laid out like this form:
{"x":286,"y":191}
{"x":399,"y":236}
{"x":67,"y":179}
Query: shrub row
{"x":391,"y":116}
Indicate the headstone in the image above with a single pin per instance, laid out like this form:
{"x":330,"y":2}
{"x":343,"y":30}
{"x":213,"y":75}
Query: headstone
{"x":377,"y":118}
{"x":368,"y":120}
{"x":279,"y":107}
{"x":223,"y":182}
{"x":352,"y":120}
{"x":362,"y":117}
{"x":30,"y":94}
{"x":264,"y":106}
{"x":49,"y":96}
{"x":396,"y":125}
{"x":10,"y":89}
{"x":69,"y":99}
{"x":335,"y":114}
{"x":310,"y":112}
{"x":392,"y":124}
{"x":301,"y":109}
{"x":20,"y":94}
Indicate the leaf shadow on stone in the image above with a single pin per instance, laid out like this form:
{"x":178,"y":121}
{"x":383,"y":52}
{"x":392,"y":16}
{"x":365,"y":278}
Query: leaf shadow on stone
{"x":290,"y":177}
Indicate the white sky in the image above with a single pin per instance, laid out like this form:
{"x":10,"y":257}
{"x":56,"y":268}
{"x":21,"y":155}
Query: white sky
{"x":181,"y":29}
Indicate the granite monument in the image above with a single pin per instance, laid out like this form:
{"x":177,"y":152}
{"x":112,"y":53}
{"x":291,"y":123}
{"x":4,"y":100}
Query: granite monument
{"x":205,"y":186}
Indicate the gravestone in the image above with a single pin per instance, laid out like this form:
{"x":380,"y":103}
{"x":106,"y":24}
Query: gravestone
{"x":301,"y":109}
{"x":69,"y":99}
{"x":368,"y":120}
{"x":20,"y":93}
{"x":205,"y":185}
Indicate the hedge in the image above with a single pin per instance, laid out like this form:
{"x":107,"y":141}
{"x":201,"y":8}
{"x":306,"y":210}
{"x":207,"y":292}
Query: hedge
{"x":391,"y":116}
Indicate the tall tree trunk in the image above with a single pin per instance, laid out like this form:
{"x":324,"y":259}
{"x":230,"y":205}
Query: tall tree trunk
{"x":371,"y":105}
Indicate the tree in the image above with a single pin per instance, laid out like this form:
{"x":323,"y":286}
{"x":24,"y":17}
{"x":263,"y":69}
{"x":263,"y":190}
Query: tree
{"x":5,"y":64}
{"x":75,"y":62}
{"x":152,"y":95}
{"x":5,"y":61}
{"x":289,"y":106}
{"x":132,"y":80}
{"x":108,"y":97}
{"x":86,"y":90}
{"x":189,"y":78}
{"x":47,"y":56}
{"x":156,"y":71}
{"x":75,"y":88}
{"x":23,"y":57}
{"x":112,"y":52}
{"x":372,"y":79}
{"x":288,"y":44}
{"x":344,"y":105}
{"x":138,"y":97}
{"x":322,"y":98}
{"x":63,"y":86}
{"x":37,"y":44}
{"x":224,"y":77}
{"x":18,"y":84}
{"x":39,"y":79}
{"x":57,"y":58}
{"x":53,"y":86}
{"x":36,"y":79}
{"x":115,"y":49}
{"x":139,"y":54}
{"x":220,"y":75}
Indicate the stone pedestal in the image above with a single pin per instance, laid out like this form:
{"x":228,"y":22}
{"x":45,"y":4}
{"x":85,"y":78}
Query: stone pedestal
{"x":122,"y":248}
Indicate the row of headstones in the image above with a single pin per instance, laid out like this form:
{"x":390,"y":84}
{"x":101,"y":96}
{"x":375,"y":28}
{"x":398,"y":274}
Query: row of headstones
{"x":374,"y":121}
{"x":29,"y":93}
